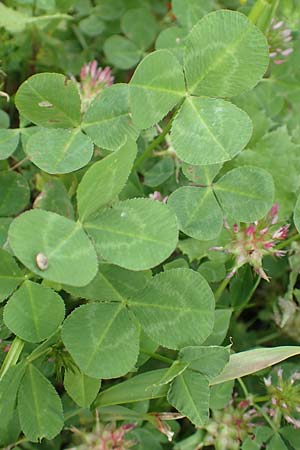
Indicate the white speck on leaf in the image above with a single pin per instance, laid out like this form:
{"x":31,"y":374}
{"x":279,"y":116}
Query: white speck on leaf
{"x":45,"y":104}
{"x":41,"y":261}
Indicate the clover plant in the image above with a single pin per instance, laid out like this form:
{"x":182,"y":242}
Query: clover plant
{"x":149,"y":219}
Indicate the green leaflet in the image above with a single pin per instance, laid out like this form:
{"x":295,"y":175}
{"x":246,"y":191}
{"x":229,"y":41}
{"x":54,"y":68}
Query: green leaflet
{"x":108,"y":121}
{"x":155,"y":88}
{"x":59,"y":151}
{"x":189,"y":394}
{"x":14,"y":194}
{"x":197,"y":211}
{"x":209,"y":361}
{"x":189,"y":12}
{"x":135,"y":234}
{"x":44,"y":418}
{"x":209,"y":131}
{"x":121,"y":52}
{"x":112,"y":283}
{"x":34,"y":312}
{"x":109,"y":339}
{"x":139,"y":25}
{"x":176,"y":308}
{"x":246,"y":193}
{"x":81,"y":388}
{"x":70,"y":256}
{"x":54,"y":197}
{"x":297,"y":214}
{"x":49,"y":100}
{"x":10,"y":275}
{"x":104,"y":180}
{"x":9,"y":140}
{"x":217,"y":40}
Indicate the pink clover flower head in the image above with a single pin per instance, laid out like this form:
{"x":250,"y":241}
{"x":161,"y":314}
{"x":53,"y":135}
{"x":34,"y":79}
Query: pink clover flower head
{"x":279,"y":37}
{"x":251,"y":242}
{"x":93,"y":80}
{"x":284,"y":394}
{"x":156,"y":195}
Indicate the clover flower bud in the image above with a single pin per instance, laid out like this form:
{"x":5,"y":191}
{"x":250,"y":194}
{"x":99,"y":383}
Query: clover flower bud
{"x":93,"y":80}
{"x":279,"y":37}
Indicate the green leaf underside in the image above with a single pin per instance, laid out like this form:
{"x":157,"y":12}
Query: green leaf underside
{"x":176,"y":308}
{"x":59,"y":151}
{"x":135,"y":234}
{"x":109,"y":340}
{"x":44,"y":417}
{"x":81,"y":388}
{"x":246,"y":194}
{"x":14,"y":194}
{"x":49,"y":100}
{"x":225,"y":55}
{"x":112,"y":283}
{"x":10,"y":275}
{"x":209,"y":131}
{"x":71,"y":256}
{"x":9,"y":140}
{"x":251,"y":361}
{"x":155,"y":88}
{"x":136,"y":389}
{"x":108,"y":119}
{"x":34,"y":312}
{"x":189,"y":394}
{"x":104,"y":180}
{"x":198,"y":212}
{"x":209,"y":361}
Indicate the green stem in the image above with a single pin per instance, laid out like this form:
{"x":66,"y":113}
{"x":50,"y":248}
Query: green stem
{"x":221,"y":288}
{"x":268,"y":338}
{"x":158,"y":356}
{"x":156,"y":141}
{"x":12,"y":356}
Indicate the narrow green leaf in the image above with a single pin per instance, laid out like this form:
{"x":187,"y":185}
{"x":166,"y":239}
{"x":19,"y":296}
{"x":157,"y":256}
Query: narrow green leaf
{"x":53,"y":247}
{"x":44,"y":418}
{"x":155,"y":88}
{"x":176,"y":308}
{"x":221,"y":395}
{"x":108,"y":120}
{"x":209,"y":131}
{"x":246,"y":194}
{"x":34,"y":312}
{"x":59,"y":151}
{"x":49,"y":100}
{"x":198,"y":212}
{"x":104,"y":180}
{"x":189,"y":394}
{"x":109,"y":340}
{"x":14,"y":194}
{"x":221,"y":325}
{"x":225,"y":55}
{"x":136,"y":234}
{"x":297,"y":214}
{"x":81,"y":388}
{"x":135,"y":389}
{"x":251,"y":361}
{"x":10,"y":275}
